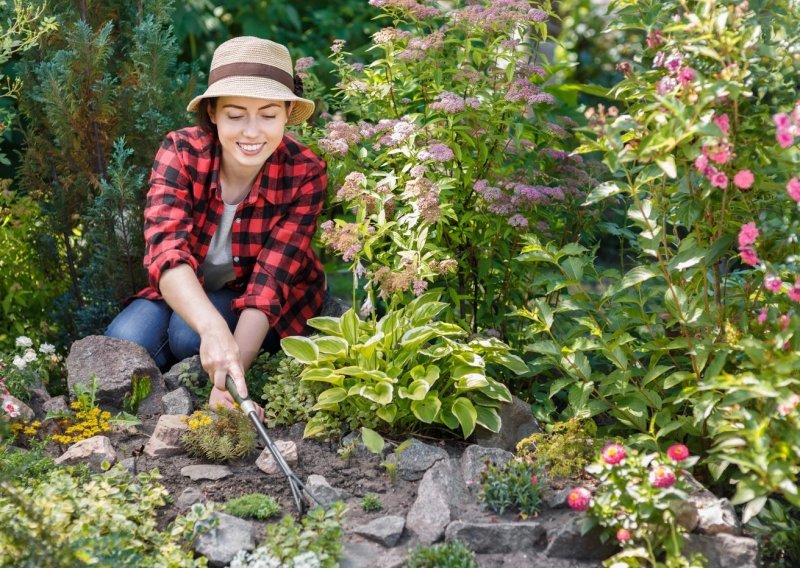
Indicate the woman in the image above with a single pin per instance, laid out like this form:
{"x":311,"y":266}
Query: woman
{"x":230,"y":214}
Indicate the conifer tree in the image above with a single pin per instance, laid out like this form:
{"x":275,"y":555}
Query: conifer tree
{"x":99,"y":98}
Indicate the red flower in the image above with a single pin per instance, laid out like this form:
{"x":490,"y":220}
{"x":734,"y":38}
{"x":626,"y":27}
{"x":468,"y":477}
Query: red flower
{"x":579,"y":499}
{"x":662,"y":476}
{"x":534,"y":480}
{"x":678,"y":452}
{"x":623,"y":535}
{"x":613,"y":454}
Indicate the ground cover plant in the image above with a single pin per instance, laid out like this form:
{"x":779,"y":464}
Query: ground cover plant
{"x":253,"y":506}
{"x":219,"y":434}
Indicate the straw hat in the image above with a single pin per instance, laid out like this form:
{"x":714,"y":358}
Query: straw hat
{"x":254,"y":67}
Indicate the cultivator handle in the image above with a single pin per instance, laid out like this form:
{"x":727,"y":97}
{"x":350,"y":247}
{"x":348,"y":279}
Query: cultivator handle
{"x":249,"y":408}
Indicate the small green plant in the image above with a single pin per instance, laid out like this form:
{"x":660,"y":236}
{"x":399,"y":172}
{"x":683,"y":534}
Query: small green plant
{"x":253,"y":506}
{"x":515,"y":485}
{"x":391,"y":469}
{"x":371,"y":503}
{"x":220,"y":434}
{"x":314,"y":541}
{"x":453,"y":554}
{"x":196,"y":383}
{"x":140,"y":389}
{"x":26,"y":367}
{"x":287,"y":400}
{"x":564,"y":451}
{"x":347,"y":451}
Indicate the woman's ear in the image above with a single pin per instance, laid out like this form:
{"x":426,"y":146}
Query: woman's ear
{"x":211,"y":114}
{"x":289,"y":109}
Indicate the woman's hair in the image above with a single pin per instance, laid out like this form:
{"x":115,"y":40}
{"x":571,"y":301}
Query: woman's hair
{"x":205,"y":105}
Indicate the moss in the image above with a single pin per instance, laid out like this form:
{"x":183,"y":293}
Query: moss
{"x":253,"y":506}
{"x":565,"y":451}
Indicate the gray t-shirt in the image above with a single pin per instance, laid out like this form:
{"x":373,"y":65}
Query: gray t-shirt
{"x":218,"y":266}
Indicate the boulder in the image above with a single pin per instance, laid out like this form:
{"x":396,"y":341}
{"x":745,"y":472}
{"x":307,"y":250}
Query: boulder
{"x":369,"y":555}
{"x":333,"y":307}
{"x":503,"y":537}
{"x":705,"y":513}
{"x":39,"y":398}
{"x":439,"y":496}
{"x":473,"y":462}
{"x":319,"y":487}
{"x":221,"y":543}
{"x":166,"y":438}
{"x":723,"y":550}
{"x":24,"y":412}
{"x":114,"y":362}
{"x":178,"y":401}
{"x":92,"y":451}
{"x":56,"y":405}
{"x":414,"y":458}
{"x":384,"y":530}
{"x":266,"y":462}
{"x":565,"y":538}
{"x":517,"y":424}
{"x":203,"y":472}
{"x":189,"y":368}
{"x":189,"y":497}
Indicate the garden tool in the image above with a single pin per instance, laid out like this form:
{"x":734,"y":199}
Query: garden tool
{"x":249,"y":407}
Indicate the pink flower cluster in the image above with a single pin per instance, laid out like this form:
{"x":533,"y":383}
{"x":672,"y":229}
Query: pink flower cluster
{"x":509,"y":198}
{"x":500,"y":15}
{"x":388,"y":35}
{"x":721,"y":152}
{"x":521,"y":89}
{"x":452,"y":103}
{"x":303,"y":64}
{"x":410,"y":7}
{"x":425,"y":199}
{"x":791,"y":404}
{"x":747,"y":238}
{"x":340,"y":136}
{"x":11,"y":409}
{"x":662,"y":477}
{"x":678,"y":73}
{"x":353,"y":186}
{"x":613,"y":454}
{"x":787,"y":126}
{"x":342,"y":239}
{"x":418,"y":48}
{"x":793,"y":189}
{"x":437,"y":152}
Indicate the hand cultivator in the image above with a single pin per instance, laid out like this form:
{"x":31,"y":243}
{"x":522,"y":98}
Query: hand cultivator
{"x":249,"y":407}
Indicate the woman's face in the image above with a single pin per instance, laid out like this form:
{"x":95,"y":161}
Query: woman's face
{"x":248,"y":129}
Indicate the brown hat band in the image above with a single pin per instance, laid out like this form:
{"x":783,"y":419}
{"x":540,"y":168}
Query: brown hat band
{"x":251,"y":70}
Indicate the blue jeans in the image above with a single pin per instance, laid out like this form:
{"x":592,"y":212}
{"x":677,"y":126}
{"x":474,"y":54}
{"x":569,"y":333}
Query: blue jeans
{"x":165,"y":335}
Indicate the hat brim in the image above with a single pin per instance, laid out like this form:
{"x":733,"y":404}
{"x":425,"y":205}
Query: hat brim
{"x":257,"y":88}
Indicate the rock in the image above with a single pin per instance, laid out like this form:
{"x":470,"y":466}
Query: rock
{"x":555,"y":498}
{"x":414,"y":458}
{"x":566,"y":541}
{"x":92,"y":451}
{"x":267,"y":463}
{"x":322,"y":490}
{"x":189,"y":497}
{"x":705,"y":513}
{"x":439,"y":497}
{"x":359,"y":449}
{"x":473,"y":462}
{"x":129,"y":465}
{"x":384,"y":530}
{"x":206,"y":472}
{"x":724,"y":550}
{"x":220,"y":544}
{"x":166,"y":438}
{"x":178,"y":401}
{"x":25,"y":412}
{"x":296,"y":431}
{"x":517,"y":423}
{"x":501,"y":537}
{"x":368,"y":555}
{"x":333,"y":307}
{"x":113,"y":361}
{"x":39,"y":397}
{"x":190,"y":368}
{"x":56,"y":405}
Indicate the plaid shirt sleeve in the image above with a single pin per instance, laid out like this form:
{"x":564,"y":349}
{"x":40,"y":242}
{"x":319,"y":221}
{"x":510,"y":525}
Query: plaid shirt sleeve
{"x":286,"y":258}
{"x":168,"y":219}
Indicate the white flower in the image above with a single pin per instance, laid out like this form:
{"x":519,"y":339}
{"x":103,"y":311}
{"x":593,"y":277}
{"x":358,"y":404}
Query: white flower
{"x":306,"y":560}
{"x":366,"y":307}
{"x":23,"y":341}
{"x":19,"y":362}
{"x":259,"y":558}
{"x":10,"y":408}
{"x":29,"y":356}
{"x":47,"y":349}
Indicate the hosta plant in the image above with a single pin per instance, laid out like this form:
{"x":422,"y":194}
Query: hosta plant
{"x":406,"y":369}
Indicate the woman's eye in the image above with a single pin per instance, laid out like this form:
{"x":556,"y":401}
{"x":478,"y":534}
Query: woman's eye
{"x":232,"y":117}
{"x":267,"y":116}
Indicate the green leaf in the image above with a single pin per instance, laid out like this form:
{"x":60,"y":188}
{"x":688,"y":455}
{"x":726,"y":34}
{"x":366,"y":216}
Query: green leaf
{"x":331,"y":345}
{"x":510,"y":361}
{"x":331,"y":396}
{"x":603,"y":191}
{"x":488,"y":418}
{"x":372,"y":440}
{"x":466,"y":414}
{"x":387,"y":413}
{"x":415,"y":391}
{"x":496,"y":391}
{"x":667,"y":165}
{"x":326,"y":324}
{"x":378,"y":392}
{"x":322,"y":375}
{"x":427,"y":408}
{"x":447,"y":417}
{"x":427,"y":312}
{"x":301,"y":348}
{"x":350,"y":324}
{"x":753,"y":508}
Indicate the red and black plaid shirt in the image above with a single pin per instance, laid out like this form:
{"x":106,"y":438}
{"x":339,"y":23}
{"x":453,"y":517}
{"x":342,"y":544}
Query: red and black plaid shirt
{"x":275,"y":267}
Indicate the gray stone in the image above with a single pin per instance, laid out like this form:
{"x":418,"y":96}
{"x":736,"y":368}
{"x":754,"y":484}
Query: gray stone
{"x":189,"y":497}
{"x":190,"y":368}
{"x":56,"y":405}
{"x":296,"y":431}
{"x":153,"y":404}
{"x":501,"y":537}
{"x":322,"y":490}
{"x":369,"y":555}
{"x":166,"y":438}
{"x":712,"y":514}
{"x":39,"y":397}
{"x":129,"y":465}
{"x":25,"y":412}
{"x":723,"y":550}
{"x":555,"y":498}
{"x":92,"y":451}
{"x":333,"y":307}
{"x":439,"y":497}
{"x":517,"y":423}
{"x":206,"y":472}
{"x":414,"y":458}
{"x":220,"y":544}
{"x":266,"y":462}
{"x":384,"y":530}
{"x":566,"y":541}
{"x":113,"y":361}
{"x":473,"y":462}
{"x":353,"y":439}
{"x":178,"y":401}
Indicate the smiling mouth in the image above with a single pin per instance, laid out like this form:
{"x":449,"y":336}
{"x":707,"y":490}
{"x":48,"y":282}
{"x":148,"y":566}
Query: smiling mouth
{"x":250,"y":148}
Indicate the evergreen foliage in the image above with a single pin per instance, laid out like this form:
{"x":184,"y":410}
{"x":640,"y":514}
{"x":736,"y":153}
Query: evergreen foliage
{"x":99,"y":99}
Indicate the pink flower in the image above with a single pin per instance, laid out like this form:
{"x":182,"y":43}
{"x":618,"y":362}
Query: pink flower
{"x":773,"y":283}
{"x":781,"y":120}
{"x":723,"y":122}
{"x":744,"y":179}
{"x":762,"y":316}
{"x":613,"y":454}
{"x":719,"y":179}
{"x":534,"y":480}
{"x":10,"y":408}
{"x":793,"y":188}
{"x":623,"y":535}
{"x":748,"y":235}
{"x":786,"y":408}
{"x":784,"y":137}
{"x":686,"y":75}
{"x":785,"y":320}
{"x":721,"y":155}
{"x":579,"y":499}
{"x":701,"y":163}
{"x":794,"y":296}
{"x":749,"y":256}
{"x":654,"y":38}
{"x":678,"y":452}
{"x":662,"y":476}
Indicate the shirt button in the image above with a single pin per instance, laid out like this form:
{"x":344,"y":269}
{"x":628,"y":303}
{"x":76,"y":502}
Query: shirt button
{"x":235,"y":259}
{"x":238,"y":219}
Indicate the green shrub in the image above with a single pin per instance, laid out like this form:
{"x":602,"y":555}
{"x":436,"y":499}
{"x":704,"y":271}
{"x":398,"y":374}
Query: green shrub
{"x":452,"y":554}
{"x":564,"y":451}
{"x":777,"y":529}
{"x":315,"y":541}
{"x":514,"y":485}
{"x":287,"y":399}
{"x":371,"y":503}
{"x":17,"y":465}
{"x":253,"y":506}
{"x":220,"y":434}
{"x":60,"y":519}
